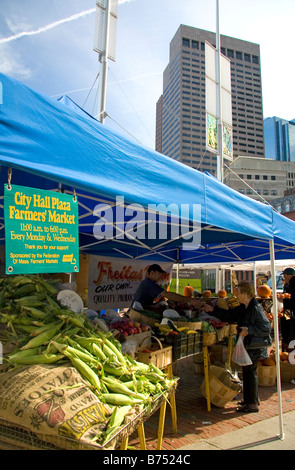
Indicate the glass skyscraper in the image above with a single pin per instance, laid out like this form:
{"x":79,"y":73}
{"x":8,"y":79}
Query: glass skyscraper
{"x":279,"y":135}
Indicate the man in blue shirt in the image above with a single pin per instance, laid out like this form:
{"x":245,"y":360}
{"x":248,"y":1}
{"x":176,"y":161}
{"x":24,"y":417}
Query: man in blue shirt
{"x":149,"y":290}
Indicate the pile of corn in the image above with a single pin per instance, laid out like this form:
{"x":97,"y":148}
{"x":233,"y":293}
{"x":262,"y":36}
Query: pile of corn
{"x":46,"y":332}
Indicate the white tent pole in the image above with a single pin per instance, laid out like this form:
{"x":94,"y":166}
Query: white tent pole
{"x":177,"y":272}
{"x":254,"y":276}
{"x":104,"y":63}
{"x":276,"y":333}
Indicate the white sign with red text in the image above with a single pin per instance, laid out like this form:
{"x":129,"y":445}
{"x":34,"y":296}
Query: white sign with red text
{"x":112,"y":282}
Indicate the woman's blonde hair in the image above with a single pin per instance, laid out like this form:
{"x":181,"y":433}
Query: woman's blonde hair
{"x":246,"y":287}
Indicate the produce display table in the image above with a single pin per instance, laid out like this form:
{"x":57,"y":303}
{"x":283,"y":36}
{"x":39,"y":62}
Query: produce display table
{"x":24,"y":439}
{"x":162,"y":415}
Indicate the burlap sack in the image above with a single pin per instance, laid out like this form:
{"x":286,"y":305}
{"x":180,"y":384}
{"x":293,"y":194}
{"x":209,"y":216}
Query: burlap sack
{"x":54,"y":403}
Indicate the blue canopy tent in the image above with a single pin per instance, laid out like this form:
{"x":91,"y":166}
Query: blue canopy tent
{"x":55,"y":145}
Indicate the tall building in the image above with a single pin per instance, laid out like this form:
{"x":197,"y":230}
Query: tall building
{"x":279,"y":135}
{"x":181,"y":113}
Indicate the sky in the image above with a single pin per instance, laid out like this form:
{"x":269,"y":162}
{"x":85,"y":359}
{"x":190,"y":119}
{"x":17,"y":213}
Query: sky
{"x":49,"y":47}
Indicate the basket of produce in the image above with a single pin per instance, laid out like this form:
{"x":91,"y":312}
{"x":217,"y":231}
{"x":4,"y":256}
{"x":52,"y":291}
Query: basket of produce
{"x":287,"y":370}
{"x":156,"y":354}
{"x":267,"y":372}
{"x":223,"y":387}
{"x":145,"y":316}
{"x":193,"y":325}
{"x":209,"y":338}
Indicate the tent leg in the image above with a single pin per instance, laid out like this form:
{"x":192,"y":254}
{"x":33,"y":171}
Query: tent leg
{"x":276,"y":334}
{"x":177,"y":273}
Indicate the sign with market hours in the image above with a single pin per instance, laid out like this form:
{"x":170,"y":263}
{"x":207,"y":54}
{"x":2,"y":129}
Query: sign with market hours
{"x":41,"y":231}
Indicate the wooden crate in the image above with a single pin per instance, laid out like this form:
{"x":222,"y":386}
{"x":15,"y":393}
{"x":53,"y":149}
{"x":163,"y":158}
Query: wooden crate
{"x":141,"y":318}
{"x":159,"y":356}
{"x":193,"y":325}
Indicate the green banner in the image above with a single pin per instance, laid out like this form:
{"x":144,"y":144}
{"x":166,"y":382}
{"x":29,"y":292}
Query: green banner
{"x":41,"y":231}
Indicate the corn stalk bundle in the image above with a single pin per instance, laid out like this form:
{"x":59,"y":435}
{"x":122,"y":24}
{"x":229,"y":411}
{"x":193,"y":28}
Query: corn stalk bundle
{"x":45,"y":332}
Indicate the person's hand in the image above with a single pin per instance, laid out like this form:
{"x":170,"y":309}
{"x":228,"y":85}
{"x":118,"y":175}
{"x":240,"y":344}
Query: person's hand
{"x":244,"y":331}
{"x":207,"y":308}
{"x":196,"y":302}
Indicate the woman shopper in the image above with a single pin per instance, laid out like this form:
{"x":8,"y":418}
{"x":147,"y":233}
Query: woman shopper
{"x":255,"y":327}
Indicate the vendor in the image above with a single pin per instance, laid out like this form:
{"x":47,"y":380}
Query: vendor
{"x":288,"y":323}
{"x":149,"y":290}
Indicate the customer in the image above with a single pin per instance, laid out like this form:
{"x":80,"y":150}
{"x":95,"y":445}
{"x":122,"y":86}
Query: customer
{"x":149,"y":290}
{"x":288,"y":321}
{"x":252,"y":322}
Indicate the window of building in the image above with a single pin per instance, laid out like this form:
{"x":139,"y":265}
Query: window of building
{"x":265,"y":192}
{"x":265,"y":177}
{"x":230,"y":53}
{"x":195,"y":44}
{"x":273,"y":178}
{"x":249,"y":177}
{"x":273,"y":192}
{"x":247,"y":57}
{"x":287,"y":207}
{"x":239,"y":55}
{"x":185,"y":42}
{"x":255,"y":59}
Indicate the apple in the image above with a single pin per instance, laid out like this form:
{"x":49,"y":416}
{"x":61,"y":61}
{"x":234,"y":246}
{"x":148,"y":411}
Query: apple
{"x":131,"y":323}
{"x":137,"y":324}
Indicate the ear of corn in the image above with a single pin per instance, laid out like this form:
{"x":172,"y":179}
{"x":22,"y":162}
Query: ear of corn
{"x":30,"y":300}
{"x":33,"y":312}
{"x":116,"y":420}
{"x":42,"y":338}
{"x":117,"y":387}
{"x":38,"y":359}
{"x":111,"y":348}
{"x":25,"y":353}
{"x":119,"y":399}
{"x":85,"y":370}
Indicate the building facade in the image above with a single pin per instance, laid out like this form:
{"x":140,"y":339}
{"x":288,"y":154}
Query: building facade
{"x":260,"y":177}
{"x":279,"y":137}
{"x":181,"y":113}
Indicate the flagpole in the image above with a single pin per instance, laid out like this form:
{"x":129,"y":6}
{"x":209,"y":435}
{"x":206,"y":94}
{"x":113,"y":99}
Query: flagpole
{"x":219,"y":109}
{"x":104,"y":64}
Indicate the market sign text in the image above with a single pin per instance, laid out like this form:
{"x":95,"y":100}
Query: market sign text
{"x":41,"y":231}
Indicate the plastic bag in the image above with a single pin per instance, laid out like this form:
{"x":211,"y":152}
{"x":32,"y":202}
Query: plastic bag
{"x":240,"y":355}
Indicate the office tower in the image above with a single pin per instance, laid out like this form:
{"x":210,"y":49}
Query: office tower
{"x":181,"y":113}
{"x":279,"y":135}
